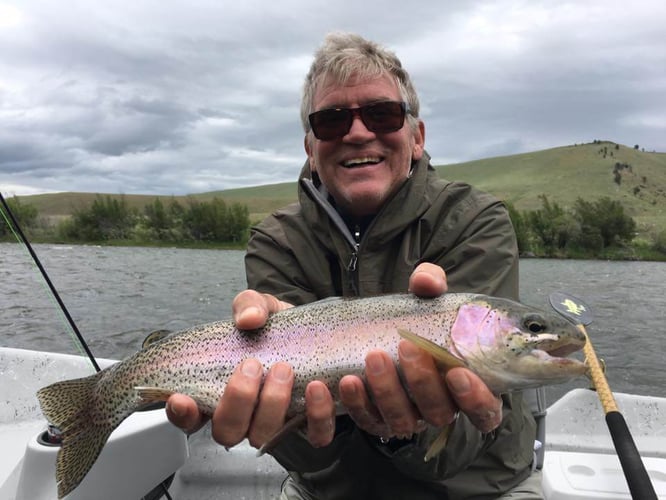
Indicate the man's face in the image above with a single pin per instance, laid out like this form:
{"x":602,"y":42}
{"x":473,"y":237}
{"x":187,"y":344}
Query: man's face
{"x":362,"y":169}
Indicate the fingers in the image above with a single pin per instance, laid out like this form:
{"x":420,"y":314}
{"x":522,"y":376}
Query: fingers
{"x":274,"y":400}
{"x":428,"y":280}
{"x":363,"y":412}
{"x":251,"y":308}
{"x":233,"y":415}
{"x":471,"y":395}
{"x":320,"y":412}
{"x":391,"y":412}
{"x":183,"y":412}
{"x":426,"y":386}
{"x":390,"y":398}
{"x":251,"y":409}
{"x":247,"y":409}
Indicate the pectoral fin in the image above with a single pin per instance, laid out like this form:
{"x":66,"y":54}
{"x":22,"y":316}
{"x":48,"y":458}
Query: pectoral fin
{"x":289,"y":426}
{"x":439,"y":443}
{"x":444,"y":357}
{"x":148,"y":395}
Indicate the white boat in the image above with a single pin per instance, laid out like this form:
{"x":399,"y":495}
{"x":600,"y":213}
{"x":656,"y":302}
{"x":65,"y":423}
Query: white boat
{"x":580,"y":459}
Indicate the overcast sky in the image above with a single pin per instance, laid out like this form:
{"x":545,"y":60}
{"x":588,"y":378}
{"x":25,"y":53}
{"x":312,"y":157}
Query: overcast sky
{"x":177,"y":97}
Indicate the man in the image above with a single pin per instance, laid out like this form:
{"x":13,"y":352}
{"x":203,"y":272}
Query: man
{"x":373,"y":218}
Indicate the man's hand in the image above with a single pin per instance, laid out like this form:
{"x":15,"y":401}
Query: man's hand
{"x":248,"y":409}
{"x":242,"y":410}
{"x":391,"y":411}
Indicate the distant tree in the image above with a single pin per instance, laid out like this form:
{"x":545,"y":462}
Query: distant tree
{"x":25,"y":214}
{"x":239,"y":222}
{"x":636,"y":147}
{"x":108,"y":218}
{"x":158,"y":220}
{"x":197,"y":220}
{"x":606,"y":218}
{"x":553,"y":226}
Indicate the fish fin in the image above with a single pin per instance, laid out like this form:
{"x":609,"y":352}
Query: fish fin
{"x":289,"y":426}
{"x":439,"y":443}
{"x":444,"y":357}
{"x":154,"y":337}
{"x":148,"y":395}
{"x":69,"y":406}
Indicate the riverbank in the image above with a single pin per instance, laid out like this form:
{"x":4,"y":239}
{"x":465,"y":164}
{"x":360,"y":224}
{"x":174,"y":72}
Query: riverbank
{"x":638,"y":251}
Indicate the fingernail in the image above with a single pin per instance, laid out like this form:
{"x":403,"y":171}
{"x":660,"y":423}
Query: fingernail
{"x":175,"y":410}
{"x":409,"y":351}
{"x":317,"y":393}
{"x":282,"y":372}
{"x":251,"y":368}
{"x":458,"y":382}
{"x":248,"y":313}
{"x":375,"y":364}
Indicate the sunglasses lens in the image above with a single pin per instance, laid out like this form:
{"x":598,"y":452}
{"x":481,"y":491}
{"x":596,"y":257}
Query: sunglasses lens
{"x":380,"y":117}
{"x":330,"y":124}
{"x":383,"y":117}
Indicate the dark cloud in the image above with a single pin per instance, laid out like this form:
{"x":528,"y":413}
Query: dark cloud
{"x":148,"y":97}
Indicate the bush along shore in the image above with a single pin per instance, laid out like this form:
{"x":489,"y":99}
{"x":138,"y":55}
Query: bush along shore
{"x":589,"y":230}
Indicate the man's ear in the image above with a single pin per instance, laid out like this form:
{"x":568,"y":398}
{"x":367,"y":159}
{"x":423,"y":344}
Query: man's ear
{"x":419,"y":141}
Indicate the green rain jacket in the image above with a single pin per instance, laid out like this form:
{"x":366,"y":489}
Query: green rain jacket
{"x":305,"y":252}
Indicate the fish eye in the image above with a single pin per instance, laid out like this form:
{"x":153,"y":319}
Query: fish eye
{"x":534,"y":323}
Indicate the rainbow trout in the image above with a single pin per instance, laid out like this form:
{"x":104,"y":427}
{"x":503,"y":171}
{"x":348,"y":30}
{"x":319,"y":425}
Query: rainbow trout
{"x":509,"y":345}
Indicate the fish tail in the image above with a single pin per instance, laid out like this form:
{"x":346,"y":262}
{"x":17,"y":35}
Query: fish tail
{"x":69,"y":406}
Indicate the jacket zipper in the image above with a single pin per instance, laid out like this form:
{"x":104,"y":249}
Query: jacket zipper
{"x":353,"y":261}
{"x":319,"y":197}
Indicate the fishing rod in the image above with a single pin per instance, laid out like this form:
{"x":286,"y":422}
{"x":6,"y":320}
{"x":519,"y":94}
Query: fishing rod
{"x":16,"y":228}
{"x":638,"y":480}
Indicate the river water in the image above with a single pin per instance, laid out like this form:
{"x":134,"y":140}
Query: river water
{"x":119,"y":295}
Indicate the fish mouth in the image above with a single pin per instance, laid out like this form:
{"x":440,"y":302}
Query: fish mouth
{"x":558,"y":346}
{"x":563,"y":351}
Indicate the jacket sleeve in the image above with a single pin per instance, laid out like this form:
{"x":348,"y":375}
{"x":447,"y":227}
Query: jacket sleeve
{"x":476,"y":245}
{"x":272,"y":267}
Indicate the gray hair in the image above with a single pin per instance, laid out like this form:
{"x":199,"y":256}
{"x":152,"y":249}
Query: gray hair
{"x":346,"y":55}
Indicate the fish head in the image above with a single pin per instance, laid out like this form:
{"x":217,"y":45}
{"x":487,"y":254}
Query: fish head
{"x":512,"y":346}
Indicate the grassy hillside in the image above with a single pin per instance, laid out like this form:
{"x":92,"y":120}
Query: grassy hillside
{"x":563,"y":174}
{"x":570,"y":172}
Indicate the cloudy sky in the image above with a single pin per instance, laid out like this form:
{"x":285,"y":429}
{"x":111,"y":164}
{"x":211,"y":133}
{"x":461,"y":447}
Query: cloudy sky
{"x":177,"y":97}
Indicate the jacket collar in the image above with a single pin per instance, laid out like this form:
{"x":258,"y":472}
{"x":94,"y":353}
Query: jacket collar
{"x":407,"y":204}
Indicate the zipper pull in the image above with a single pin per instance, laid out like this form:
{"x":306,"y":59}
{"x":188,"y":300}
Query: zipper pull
{"x":353,"y":261}
{"x":354,"y":257}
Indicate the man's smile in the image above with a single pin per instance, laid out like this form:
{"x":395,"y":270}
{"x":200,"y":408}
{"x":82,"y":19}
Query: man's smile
{"x":361,"y":161}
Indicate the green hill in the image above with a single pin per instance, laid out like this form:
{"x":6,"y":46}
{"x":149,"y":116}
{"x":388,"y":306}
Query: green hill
{"x":567,"y":173}
{"x":587,"y":171}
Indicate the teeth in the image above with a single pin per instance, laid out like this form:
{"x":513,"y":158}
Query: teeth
{"x":359,"y":161}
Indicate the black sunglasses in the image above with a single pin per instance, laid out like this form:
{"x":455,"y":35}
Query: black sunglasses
{"x":379,"y":117}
